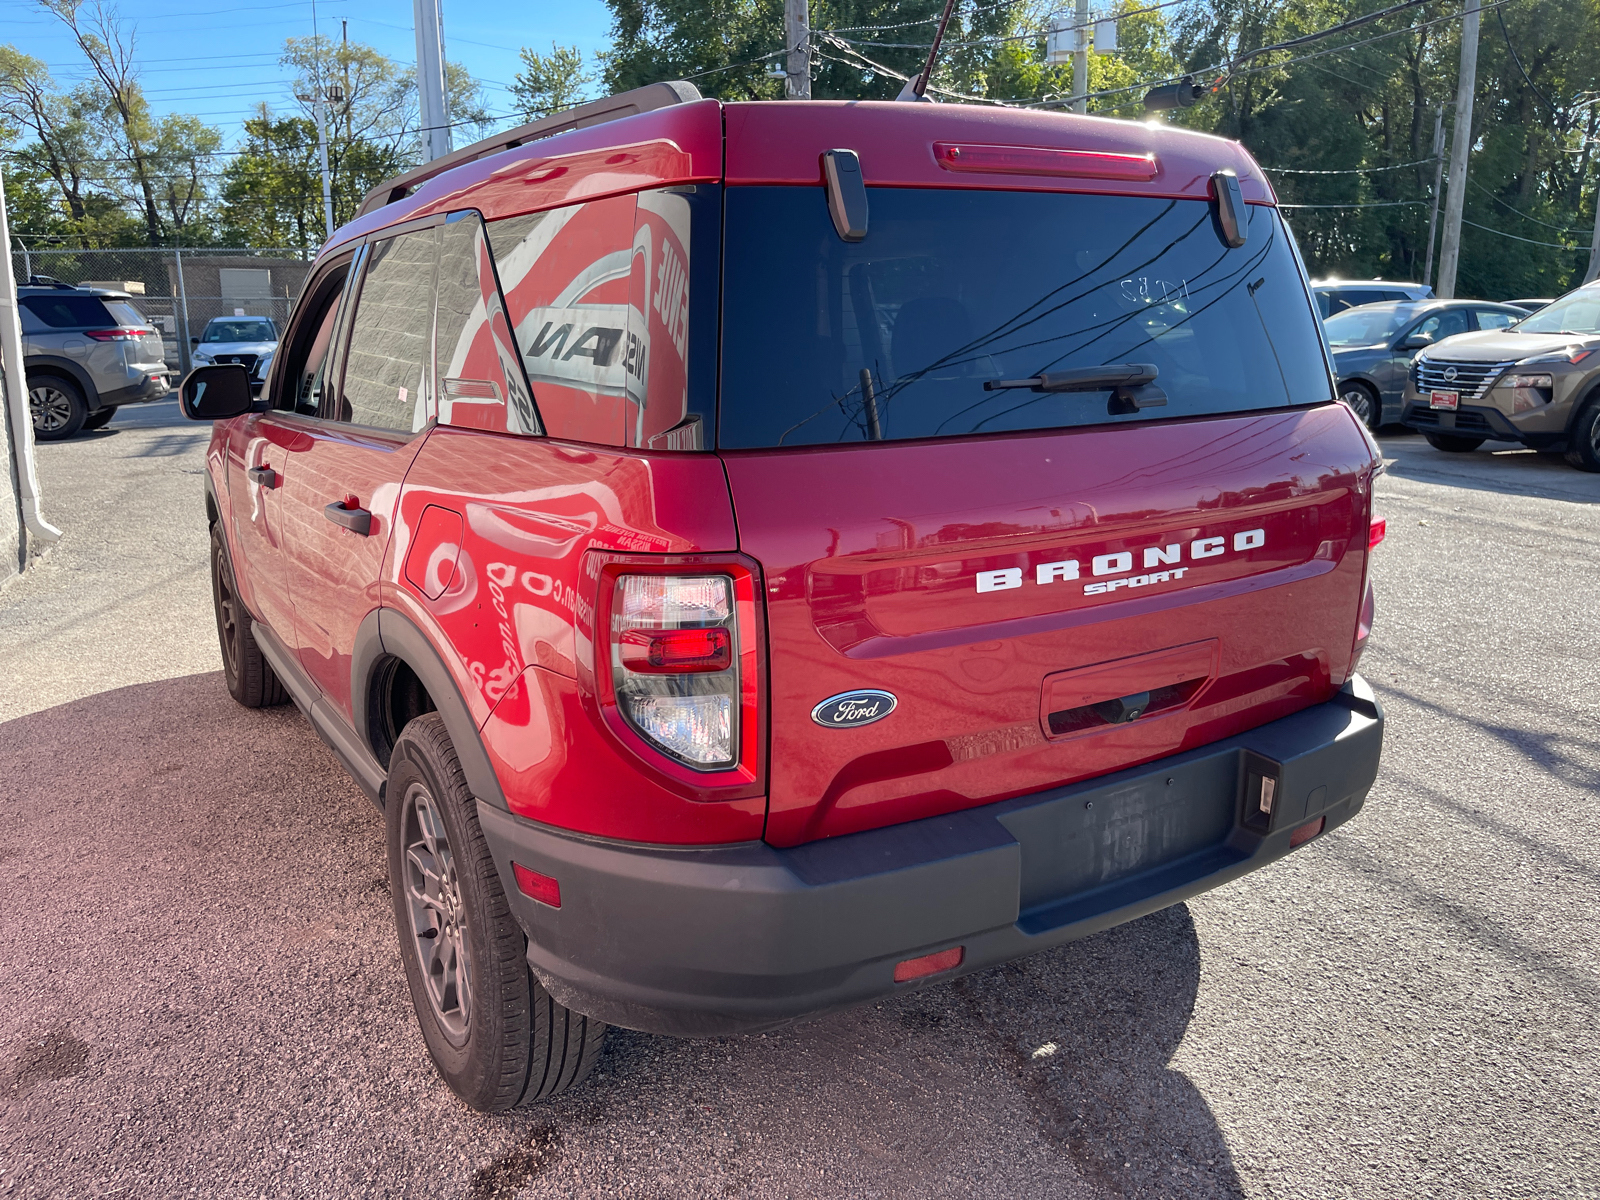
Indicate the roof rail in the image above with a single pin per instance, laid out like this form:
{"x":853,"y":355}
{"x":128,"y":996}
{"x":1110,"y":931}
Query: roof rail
{"x":596,"y":112}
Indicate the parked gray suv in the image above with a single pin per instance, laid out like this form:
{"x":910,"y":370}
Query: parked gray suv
{"x":86,"y":352}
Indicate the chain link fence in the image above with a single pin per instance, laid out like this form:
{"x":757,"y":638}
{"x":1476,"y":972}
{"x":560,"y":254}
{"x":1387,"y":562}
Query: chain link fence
{"x":180,"y":290}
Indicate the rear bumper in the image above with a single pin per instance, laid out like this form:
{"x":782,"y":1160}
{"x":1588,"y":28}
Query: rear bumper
{"x":726,"y":939}
{"x":142,"y":392}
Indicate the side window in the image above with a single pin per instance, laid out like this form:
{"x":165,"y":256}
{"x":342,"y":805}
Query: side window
{"x":389,"y":363}
{"x":311,"y":340}
{"x":566,"y":276}
{"x":1443,"y":325}
{"x":1491,"y":319}
{"x":672,"y":336}
{"x":478,"y":379}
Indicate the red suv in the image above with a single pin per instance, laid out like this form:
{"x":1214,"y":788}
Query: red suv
{"x":763,"y":557}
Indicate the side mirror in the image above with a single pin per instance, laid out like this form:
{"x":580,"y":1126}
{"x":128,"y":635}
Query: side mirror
{"x":215,"y":393}
{"x":194,"y":341}
{"x":1417,"y":341}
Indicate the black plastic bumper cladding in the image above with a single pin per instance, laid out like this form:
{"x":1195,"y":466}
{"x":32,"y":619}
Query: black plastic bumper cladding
{"x":735,"y":938}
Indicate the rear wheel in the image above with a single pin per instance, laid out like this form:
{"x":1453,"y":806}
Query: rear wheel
{"x":57,"y":407}
{"x":101,"y":419}
{"x":250,"y":680}
{"x":1363,"y":401}
{"x":1583,"y":446}
{"x":1452,"y":444}
{"x":495,"y":1035}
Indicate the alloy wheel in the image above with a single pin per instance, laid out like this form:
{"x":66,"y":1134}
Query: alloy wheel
{"x":438,"y":916}
{"x":51,"y":408}
{"x":227,"y":614}
{"x":1360,"y":403}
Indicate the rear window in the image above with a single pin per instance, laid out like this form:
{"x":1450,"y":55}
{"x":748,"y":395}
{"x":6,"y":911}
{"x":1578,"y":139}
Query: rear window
{"x":69,"y":312}
{"x":1365,"y":326}
{"x":125,"y":314}
{"x":826,"y":341}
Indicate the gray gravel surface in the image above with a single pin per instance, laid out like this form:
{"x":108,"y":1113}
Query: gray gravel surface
{"x":204,"y":995}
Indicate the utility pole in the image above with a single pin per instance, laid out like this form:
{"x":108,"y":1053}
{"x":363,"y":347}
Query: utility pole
{"x":430,"y":80}
{"x":318,"y":101}
{"x":344,"y":42}
{"x":1080,"y":58}
{"x":797,"y":33}
{"x":1438,"y":181}
{"x":1460,"y":147}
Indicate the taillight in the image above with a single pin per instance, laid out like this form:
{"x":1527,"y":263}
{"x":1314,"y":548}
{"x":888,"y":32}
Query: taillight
{"x":114,"y":335}
{"x":674,"y":665}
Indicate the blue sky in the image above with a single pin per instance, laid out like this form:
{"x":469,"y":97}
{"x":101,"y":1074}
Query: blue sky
{"x":219,"y":60}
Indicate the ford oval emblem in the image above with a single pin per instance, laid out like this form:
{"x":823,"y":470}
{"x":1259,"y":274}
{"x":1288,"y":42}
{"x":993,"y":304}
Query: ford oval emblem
{"x":850,"y":709}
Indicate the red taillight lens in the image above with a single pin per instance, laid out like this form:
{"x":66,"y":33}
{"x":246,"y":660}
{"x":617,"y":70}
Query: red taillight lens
{"x":929,"y":964}
{"x":542,"y":888}
{"x":1377,"y":531}
{"x":1041,"y":160}
{"x":673,"y":648}
{"x":677,"y":650}
{"x":114,"y":335}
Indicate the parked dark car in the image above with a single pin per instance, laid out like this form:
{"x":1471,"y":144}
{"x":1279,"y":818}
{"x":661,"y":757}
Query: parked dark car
{"x":1373,"y":346}
{"x":1335,"y":295}
{"x":763,"y":558}
{"x":87,"y":351}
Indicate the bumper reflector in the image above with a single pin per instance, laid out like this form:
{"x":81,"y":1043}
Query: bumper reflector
{"x":928,"y":964}
{"x":1306,"y":832}
{"x":1377,"y":531}
{"x":541,"y":887}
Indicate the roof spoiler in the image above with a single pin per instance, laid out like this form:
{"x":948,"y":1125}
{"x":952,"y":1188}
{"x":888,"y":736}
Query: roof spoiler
{"x":596,"y":112}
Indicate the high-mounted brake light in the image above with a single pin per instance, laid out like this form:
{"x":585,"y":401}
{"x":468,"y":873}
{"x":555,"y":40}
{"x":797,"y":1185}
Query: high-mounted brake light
{"x":673,"y":650}
{"x":114,"y":335}
{"x":1377,"y":531}
{"x":1040,"y":160}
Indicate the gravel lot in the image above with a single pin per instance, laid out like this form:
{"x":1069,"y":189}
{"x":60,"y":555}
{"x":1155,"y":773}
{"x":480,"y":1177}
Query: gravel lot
{"x":204,"y":994}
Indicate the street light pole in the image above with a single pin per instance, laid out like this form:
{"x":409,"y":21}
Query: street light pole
{"x":430,"y":80}
{"x":1080,"y":59}
{"x":1460,"y":147}
{"x":318,"y":101}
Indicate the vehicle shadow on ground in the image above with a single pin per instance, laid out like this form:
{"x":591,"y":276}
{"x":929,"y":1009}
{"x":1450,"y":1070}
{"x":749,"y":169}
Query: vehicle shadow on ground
{"x":205,"y":971}
{"x":1501,"y":467}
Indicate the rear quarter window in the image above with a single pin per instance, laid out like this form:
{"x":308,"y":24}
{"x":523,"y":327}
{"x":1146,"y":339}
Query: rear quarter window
{"x":952,"y":288}
{"x":69,"y":312}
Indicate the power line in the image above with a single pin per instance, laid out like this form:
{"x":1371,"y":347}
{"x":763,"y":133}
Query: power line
{"x":1371,"y":204}
{"x":1523,"y":215}
{"x":1347,"y":171}
{"x":1516,"y":238}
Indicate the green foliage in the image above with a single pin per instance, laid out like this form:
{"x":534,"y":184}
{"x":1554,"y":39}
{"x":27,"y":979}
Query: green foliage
{"x":549,"y":83}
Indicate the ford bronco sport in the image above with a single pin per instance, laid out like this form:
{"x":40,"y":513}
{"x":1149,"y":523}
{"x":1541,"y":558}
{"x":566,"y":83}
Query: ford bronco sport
{"x":763,"y":557}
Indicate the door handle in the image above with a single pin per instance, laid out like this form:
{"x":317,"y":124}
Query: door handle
{"x":264,"y":475}
{"x":349,"y":513}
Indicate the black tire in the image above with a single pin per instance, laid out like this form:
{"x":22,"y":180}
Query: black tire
{"x":1362,"y":401}
{"x":495,"y":1035}
{"x":1583,"y":443}
{"x":99,"y":420}
{"x":250,"y":680}
{"x":57,"y":406}
{"x":1452,"y":444}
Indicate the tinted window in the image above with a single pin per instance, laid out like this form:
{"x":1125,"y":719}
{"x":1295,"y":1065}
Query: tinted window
{"x":567,"y":279}
{"x":1443,"y":325}
{"x":239,"y":331}
{"x":1491,"y":319}
{"x":674,"y":316}
{"x":310,"y":356}
{"x":478,"y":380}
{"x":390,"y":360}
{"x":124,"y":313}
{"x":951,"y":289}
{"x":69,"y":312}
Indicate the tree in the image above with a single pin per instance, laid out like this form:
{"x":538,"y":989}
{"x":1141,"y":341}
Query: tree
{"x":549,"y":83}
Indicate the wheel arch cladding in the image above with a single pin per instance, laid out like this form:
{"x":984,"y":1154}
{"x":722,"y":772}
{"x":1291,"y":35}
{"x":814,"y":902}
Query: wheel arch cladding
{"x":387,"y":634}
{"x":49,"y":364}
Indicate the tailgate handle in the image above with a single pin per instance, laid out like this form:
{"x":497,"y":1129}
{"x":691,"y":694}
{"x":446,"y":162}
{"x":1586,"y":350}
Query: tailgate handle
{"x":264,"y":475}
{"x":349,"y":513}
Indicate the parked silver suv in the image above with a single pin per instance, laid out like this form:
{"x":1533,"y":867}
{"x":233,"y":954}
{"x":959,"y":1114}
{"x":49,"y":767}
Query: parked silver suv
{"x":249,"y":341}
{"x":86,"y":352}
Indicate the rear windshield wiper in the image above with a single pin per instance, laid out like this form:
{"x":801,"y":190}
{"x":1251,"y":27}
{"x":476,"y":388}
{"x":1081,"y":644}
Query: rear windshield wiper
{"x":1132,"y":385}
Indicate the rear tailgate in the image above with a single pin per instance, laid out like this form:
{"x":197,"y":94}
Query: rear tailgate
{"x":1021,"y":595}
